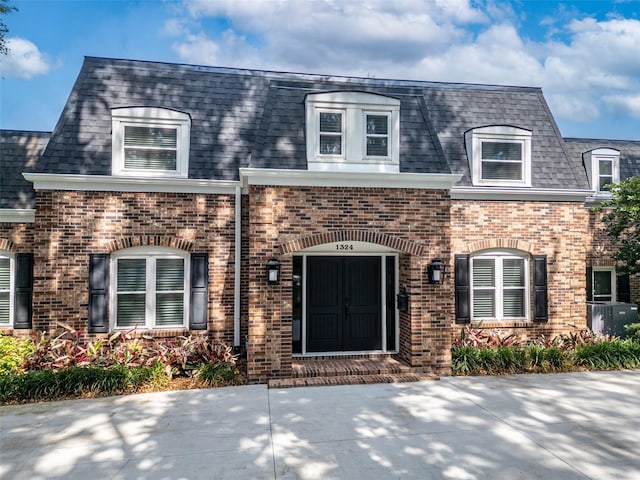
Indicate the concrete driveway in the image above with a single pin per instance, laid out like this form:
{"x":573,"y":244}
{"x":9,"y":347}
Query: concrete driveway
{"x":563,"y":426}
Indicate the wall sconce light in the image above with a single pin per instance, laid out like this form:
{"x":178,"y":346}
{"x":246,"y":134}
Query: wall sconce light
{"x":273,"y":272}
{"x":436,"y":271}
{"x":402,"y":300}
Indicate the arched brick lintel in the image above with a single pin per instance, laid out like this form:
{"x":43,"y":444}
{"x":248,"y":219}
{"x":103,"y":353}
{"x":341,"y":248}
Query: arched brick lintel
{"x":7,"y":245}
{"x":399,"y":244}
{"x":493,"y":243}
{"x":149,"y":241}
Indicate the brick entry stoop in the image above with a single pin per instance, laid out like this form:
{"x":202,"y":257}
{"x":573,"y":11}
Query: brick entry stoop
{"x":349,"y":371}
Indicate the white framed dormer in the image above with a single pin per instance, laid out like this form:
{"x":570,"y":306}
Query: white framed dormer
{"x":499,"y":155}
{"x":353,"y":132}
{"x":603,"y":168}
{"x":150,"y":142}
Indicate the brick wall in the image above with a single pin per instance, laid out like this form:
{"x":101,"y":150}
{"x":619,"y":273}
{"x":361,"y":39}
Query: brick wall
{"x":556,"y":229}
{"x":71,"y":225}
{"x":600,"y":250}
{"x":283,"y":220}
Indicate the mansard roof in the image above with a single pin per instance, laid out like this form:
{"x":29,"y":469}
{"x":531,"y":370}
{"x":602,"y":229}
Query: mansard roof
{"x":250,"y":118}
{"x":19,"y":152}
{"x":629,"y":152}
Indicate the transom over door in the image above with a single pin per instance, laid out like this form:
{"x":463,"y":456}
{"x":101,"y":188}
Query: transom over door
{"x":343,"y":304}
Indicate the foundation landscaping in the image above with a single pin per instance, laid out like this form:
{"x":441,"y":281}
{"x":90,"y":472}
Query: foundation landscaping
{"x":485,"y":352}
{"x":38,"y":368}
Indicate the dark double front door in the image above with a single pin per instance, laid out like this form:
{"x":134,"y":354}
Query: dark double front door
{"x":343,"y":303}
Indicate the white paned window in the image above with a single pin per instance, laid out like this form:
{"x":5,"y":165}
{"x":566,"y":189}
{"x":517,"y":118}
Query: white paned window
{"x":604,"y":284}
{"x":603,"y":168}
{"x":150,"y":142}
{"x":377,"y":135}
{"x":6,"y":289}
{"x":499,"y":156}
{"x":353,"y":132}
{"x":502,"y":161}
{"x":331,"y":133}
{"x":499,"y":285}
{"x":151,"y":289}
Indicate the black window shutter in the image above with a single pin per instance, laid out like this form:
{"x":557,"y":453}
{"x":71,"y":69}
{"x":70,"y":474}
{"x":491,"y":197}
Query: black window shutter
{"x":23,"y":294}
{"x":589,"y":284}
{"x":199,"y":291}
{"x":463,"y":292}
{"x":541,"y":311}
{"x":623,"y":287}
{"x":98,"y":293}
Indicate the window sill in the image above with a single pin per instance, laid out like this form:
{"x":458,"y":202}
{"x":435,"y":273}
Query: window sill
{"x":162,"y":333}
{"x":503,"y":324}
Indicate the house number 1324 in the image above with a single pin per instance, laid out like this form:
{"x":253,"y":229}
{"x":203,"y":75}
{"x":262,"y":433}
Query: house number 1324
{"x":344,"y":246}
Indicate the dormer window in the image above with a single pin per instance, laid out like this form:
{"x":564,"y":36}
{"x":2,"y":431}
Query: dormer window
{"x":331,"y":133}
{"x":603,"y":168}
{"x":152,"y":142}
{"x":377,"y":135}
{"x":353,"y":131}
{"x":499,"y":155}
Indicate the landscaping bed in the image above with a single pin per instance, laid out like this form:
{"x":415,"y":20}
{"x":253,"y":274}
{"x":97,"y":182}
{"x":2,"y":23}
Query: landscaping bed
{"x":486,"y":352}
{"x":40,"y":368}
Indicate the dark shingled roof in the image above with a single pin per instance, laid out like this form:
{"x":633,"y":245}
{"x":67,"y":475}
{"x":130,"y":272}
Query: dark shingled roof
{"x":629,"y":152}
{"x":19,"y":152}
{"x":248,"y":118}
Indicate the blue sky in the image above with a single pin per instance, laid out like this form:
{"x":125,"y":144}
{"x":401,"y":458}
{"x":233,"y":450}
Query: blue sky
{"x":584,"y":54}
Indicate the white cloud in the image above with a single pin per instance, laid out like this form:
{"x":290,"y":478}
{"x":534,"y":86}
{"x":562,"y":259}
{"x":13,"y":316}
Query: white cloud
{"x":594,"y":70}
{"x":343,"y":34}
{"x":23,"y":60}
{"x":624,"y":104}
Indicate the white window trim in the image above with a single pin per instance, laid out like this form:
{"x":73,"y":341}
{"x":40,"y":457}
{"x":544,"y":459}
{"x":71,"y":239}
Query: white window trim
{"x":592,"y":163}
{"x":12,"y":270}
{"x":365,"y":136}
{"x":150,"y":314}
{"x":502,"y":254}
{"x":614,"y":286}
{"x":343,"y":139}
{"x":354,"y":106}
{"x":150,"y":117}
{"x":498,"y":133}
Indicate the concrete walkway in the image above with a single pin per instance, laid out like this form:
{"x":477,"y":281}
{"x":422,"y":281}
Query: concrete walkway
{"x":564,"y":426}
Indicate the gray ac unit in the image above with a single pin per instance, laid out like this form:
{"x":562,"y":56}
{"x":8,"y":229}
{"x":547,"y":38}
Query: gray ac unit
{"x":609,"y":318}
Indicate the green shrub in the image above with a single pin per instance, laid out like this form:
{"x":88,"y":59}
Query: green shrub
{"x":608,"y":355}
{"x":215,"y":374}
{"x":633,"y":331}
{"x":465,"y":360}
{"x":13,"y":352}
{"x":75,"y":381}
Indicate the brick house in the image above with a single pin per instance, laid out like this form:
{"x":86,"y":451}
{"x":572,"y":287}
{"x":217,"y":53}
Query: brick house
{"x":304,"y":216}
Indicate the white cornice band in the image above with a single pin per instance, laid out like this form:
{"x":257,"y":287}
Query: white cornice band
{"x":305,"y":178}
{"x":17,"y":215}
{"x":532,"y":194}
{"x":107,"y":183}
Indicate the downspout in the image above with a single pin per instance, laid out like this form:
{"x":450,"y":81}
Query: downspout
{"x":238,"y":263}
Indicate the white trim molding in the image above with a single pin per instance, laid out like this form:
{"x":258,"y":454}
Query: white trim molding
{"x":304,"y":178}
{"x":107,"y":183}
{"x":17,"y":215}
{"x":538,"y":194}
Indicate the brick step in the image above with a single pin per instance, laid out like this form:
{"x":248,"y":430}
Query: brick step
{"x":351,"y":380}
{"x":340,"y":368}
